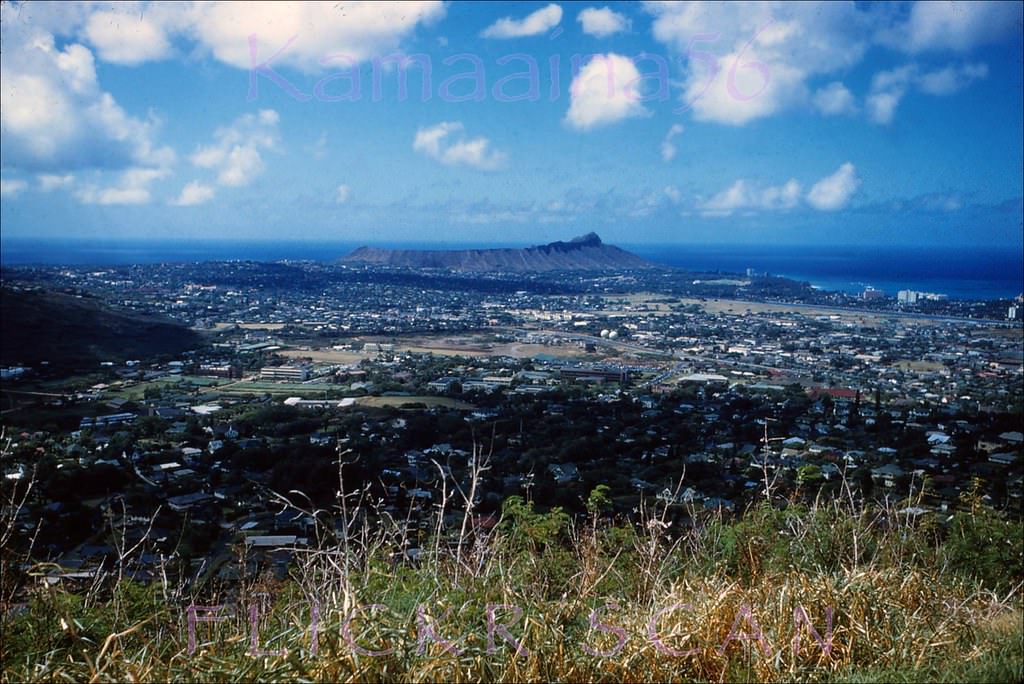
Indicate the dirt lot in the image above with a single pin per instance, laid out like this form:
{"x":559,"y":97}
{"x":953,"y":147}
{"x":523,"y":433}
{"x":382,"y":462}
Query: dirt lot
{"x":445,"y":402}
{"x":469,"y":345}
{"x":249,"y":326}
{"x":738,"y":307}
{"x":475,"y":346}
{"x":919,"y":366}
{"x":325,"y":355}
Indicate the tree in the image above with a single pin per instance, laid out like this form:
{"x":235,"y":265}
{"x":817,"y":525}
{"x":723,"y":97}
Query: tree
{"x":529,"y":529}
{"x":599,"y":502}
{"x":809,"y":473}
{"x":983,"y":546}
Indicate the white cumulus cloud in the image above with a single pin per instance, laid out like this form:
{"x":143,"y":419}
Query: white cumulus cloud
{"x":342,"y":193}
{"x":235,"y":154}
{"x":242,"y":34}
{"x":747,"y":61}
{"x":951,"y":79}
{"x":302,"y":34}
{"x":958,"y":26}
{"x":834,"y":192}
{"x":602,"y":22}
{"x":474,"y":152}
{"x":53,"y":114}
{"x":533,"y":24}
{"x":745,"y":195}
{"x":668,"y":147}
{"x":12,"y":188}
{"x":835,"y":99}
{"x":888,"y":88}
{"x":132,"y":188}
{"x":50,"y":181}
{"x":126,"y":37}
{"x":241,"y":165}
{"x":828,"y":194}
{"x":606,"y":90}
{"x":194,"y":193}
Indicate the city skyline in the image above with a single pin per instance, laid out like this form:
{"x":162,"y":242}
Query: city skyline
{"x":515,"y":123}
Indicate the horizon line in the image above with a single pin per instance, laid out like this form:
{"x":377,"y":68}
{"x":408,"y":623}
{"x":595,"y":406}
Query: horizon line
{"x":467,"y":244}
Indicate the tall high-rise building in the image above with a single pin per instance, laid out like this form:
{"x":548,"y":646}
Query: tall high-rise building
{"x":906,"y":297}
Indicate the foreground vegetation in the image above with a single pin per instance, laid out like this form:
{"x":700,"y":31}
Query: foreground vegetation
{"x":824,"y":592}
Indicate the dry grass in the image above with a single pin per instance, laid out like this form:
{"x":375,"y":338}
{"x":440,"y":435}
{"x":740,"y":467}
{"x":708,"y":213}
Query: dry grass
{"x":717,"y":630}
{"x":584,"y":601}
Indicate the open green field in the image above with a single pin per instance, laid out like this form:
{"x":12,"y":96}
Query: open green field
{"x":223,"y":386}
{"x":290,"y":389}
{"x":136,"y":391}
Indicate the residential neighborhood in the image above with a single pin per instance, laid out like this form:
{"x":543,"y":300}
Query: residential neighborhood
{"x":398,"y":388}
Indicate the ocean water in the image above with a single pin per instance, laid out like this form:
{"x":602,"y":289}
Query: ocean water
{"x":120,"y":252}
{"x":959,"y":272}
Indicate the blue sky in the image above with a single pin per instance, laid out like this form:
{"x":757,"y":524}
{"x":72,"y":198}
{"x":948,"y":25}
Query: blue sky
{"x":755,"y":123}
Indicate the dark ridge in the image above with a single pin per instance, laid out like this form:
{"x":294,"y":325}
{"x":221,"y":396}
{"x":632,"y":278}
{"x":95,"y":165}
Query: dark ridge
{"x":71,"y":330}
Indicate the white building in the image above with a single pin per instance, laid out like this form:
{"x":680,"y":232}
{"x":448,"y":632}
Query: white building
{"x":906,"y":297}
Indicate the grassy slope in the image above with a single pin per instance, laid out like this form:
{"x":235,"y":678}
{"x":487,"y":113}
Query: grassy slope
{"x":906,"y":606}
